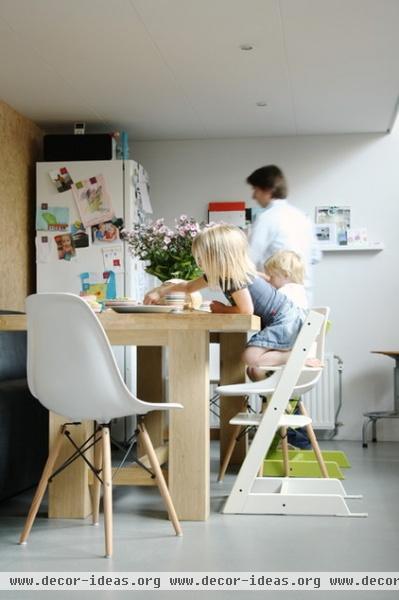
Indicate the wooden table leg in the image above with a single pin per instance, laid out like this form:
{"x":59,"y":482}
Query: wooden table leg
{"x":189,"y":428}
{"x":150,"y":389}
{"x":69,"y":496}
{"x":232,"y":370}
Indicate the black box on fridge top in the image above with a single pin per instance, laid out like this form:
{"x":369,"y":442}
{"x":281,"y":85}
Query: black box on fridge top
{"x":61,"y":147}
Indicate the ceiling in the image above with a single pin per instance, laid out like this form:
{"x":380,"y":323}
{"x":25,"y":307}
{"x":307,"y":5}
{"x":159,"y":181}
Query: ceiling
{"x":173,"y":69}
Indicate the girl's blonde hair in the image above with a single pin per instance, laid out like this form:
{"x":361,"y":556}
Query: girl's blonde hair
{"x":288,"y":264}
{"x":221,"y":251}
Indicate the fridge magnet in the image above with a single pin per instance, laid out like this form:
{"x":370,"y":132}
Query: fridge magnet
{"x":79,"y":235}
{"x":101,"y":285}
{"x":65,"y":246}
{"x":43,"y":248}
{"x":105,"y":232}
{"x":52,"y":218}
{"x":93,"y":200}
{"x":340,"y":216}
{"x":113,"y":259}
{"x":62,"y":179}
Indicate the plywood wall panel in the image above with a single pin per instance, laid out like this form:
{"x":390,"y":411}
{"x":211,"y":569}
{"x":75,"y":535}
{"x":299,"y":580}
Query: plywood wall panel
{"x":20,"y":148}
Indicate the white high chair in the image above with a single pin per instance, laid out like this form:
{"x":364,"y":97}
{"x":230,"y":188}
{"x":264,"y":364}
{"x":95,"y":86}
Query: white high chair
{"x":283,"y":495}
{"x":72,"y":371}
{"x":309,"y":377}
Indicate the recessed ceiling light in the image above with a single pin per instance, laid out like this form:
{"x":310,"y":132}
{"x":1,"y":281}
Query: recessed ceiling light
{"x":262,"y":103}
{"x":246,"y":47}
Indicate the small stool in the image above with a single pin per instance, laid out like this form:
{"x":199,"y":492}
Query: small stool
{"x":373,"y":416}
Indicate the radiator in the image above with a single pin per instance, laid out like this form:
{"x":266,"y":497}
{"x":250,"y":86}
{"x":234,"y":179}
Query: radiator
{"x":319,"y":401}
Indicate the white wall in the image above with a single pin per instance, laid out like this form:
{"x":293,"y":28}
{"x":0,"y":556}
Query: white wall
{"x":362,"y":288}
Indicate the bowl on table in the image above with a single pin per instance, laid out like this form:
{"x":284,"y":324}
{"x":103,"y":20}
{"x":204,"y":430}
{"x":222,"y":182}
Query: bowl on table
{"x":175,"y":299}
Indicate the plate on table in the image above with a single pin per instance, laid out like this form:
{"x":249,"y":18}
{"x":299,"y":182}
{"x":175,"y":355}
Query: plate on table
{"x":143,"y":308}
{"x":120,"y":302}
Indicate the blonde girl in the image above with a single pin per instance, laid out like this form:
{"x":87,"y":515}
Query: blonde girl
{"x":221,"y":252}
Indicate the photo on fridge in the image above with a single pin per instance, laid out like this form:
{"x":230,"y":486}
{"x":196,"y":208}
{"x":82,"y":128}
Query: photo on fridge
{"x":79,"y":235}
{"x":93,"y":200}
{"x":62,"y":179}
{"x":104,"y":232}
{"x":52,"y":218}
{"x":65,"y":246}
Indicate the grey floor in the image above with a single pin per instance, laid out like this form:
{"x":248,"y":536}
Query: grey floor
{"x":144,"y":539}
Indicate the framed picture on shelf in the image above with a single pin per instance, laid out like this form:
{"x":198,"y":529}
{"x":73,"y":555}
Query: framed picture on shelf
{"x":326,"y":233}
{"x":357,"y":236}
{"x":340,"y":216}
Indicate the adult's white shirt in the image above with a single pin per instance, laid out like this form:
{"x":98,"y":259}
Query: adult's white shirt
{"x":282,"y":226}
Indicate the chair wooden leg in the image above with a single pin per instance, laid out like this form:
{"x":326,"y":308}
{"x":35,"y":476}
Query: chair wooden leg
{"x":313,"y":441}
{"x":41,"y":488}
{"x":163,"y":488}
{"x":284,"y":446}
{"x":107,"y":485}
{"x":229,"y":452}
{"x":96,"y":487}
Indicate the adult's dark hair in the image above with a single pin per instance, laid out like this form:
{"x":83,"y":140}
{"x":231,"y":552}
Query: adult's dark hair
{"x":270,"y":178}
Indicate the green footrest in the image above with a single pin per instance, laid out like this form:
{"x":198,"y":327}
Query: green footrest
{"x":336,"y":456}
{"x":300,"y":468}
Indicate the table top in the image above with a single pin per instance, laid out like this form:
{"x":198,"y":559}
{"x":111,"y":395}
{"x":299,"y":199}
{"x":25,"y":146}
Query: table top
{"x":390,"y":353}
{"x":186,"y":320}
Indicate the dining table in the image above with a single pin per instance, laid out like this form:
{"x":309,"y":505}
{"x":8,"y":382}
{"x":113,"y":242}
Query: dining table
{"x":375,"y":415}
{"x":181,"y":341}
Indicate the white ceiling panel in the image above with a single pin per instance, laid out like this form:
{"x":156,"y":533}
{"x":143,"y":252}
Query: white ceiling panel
{"x":173,"y":69}
{"x":200,"y":43}
{"x":344,"y":63}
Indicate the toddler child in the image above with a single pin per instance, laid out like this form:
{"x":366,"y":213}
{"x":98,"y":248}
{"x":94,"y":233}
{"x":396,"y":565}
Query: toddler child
{"x":285,"y":271}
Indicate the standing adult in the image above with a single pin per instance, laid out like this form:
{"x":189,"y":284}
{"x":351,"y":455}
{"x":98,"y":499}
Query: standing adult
{"x":280,"y":226}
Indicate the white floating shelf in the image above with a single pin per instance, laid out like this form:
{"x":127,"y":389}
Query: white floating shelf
{"x":370,"y":247}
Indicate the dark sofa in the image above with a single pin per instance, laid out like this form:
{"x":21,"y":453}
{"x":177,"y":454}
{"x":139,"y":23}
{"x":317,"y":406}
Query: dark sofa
{"x":23,"y":420}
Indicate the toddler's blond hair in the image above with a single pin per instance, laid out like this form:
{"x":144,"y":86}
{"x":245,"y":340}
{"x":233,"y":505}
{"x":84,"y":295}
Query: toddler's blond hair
{"x":221,"y":251}
{"x":288,"y":264}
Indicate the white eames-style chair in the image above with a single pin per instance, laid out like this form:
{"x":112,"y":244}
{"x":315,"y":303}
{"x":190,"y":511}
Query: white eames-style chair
{"x":283,"y":495}
{"x":72,"y":372}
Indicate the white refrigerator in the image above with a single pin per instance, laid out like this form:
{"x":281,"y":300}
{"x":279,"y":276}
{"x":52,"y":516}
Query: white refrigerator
{"x":98,"y":262}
